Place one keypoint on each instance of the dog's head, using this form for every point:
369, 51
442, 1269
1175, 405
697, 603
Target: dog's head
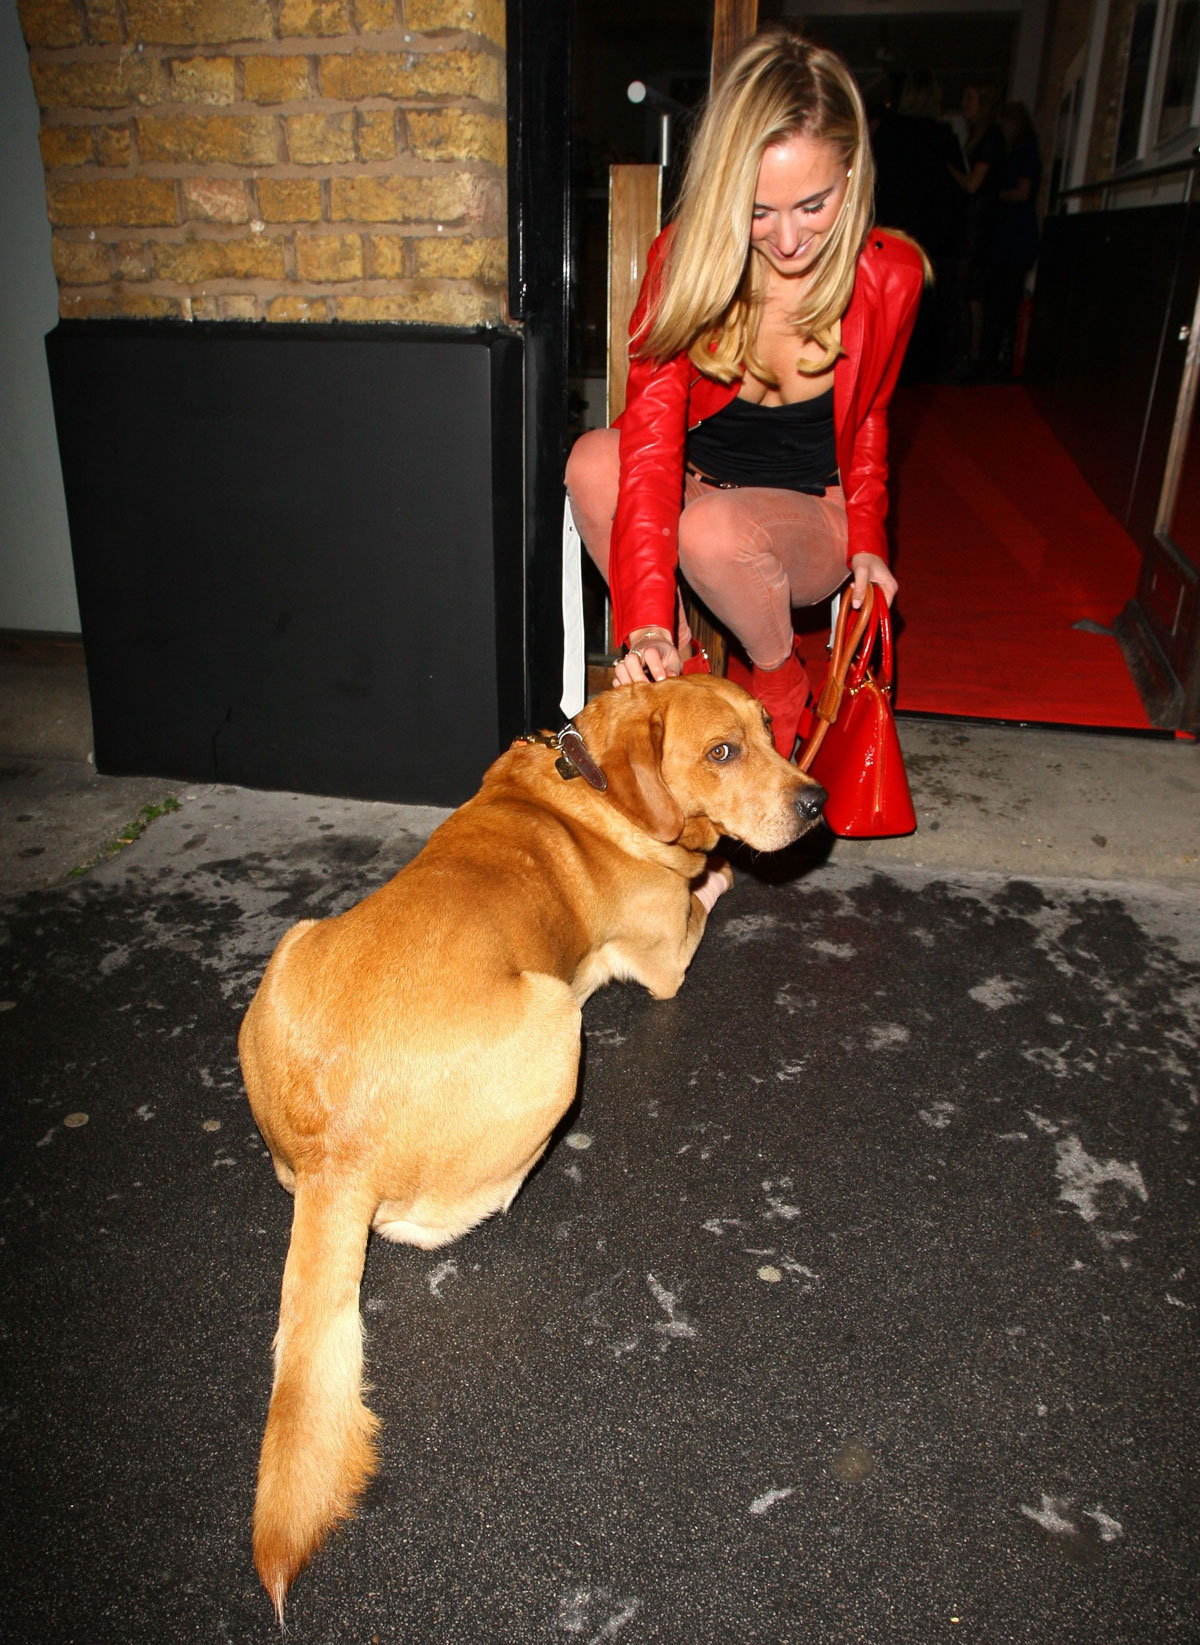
691, 759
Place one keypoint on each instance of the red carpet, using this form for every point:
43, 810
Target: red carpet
1000, 549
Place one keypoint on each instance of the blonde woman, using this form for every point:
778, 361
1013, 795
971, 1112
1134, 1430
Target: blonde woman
752, 452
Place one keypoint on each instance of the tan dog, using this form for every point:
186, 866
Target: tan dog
408, 1061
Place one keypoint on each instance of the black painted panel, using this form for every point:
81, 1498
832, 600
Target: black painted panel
1098, 344
297, 555
1116, 294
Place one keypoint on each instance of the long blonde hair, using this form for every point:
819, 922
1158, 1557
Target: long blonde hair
778, 86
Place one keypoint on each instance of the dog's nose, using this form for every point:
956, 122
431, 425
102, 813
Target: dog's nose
810, 801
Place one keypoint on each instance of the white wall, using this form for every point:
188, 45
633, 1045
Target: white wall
37, 583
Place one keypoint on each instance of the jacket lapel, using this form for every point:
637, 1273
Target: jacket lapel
849, 368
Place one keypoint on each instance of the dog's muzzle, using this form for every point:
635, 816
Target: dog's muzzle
810, 802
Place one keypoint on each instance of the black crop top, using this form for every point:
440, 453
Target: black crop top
790, 447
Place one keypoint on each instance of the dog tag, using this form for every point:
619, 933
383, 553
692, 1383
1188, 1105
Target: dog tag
578, 760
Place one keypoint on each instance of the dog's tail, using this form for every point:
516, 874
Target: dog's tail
317, 1451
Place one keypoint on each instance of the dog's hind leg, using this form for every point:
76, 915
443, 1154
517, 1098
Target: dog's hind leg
534, 1077
317, 1451
513, 1082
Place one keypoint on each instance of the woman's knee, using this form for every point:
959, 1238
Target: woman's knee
714, 533
594, 471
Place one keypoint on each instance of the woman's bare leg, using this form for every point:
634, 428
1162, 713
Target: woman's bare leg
754, 553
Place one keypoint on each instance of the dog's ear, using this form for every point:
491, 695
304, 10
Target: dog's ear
635, 780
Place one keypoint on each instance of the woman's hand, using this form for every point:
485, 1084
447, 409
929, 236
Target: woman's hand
869, 568
651, 655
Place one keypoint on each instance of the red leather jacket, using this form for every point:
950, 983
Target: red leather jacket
662, 402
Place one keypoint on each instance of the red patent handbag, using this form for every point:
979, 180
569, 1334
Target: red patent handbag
853, 750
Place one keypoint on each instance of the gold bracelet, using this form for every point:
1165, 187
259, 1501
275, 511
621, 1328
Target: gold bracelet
655, 640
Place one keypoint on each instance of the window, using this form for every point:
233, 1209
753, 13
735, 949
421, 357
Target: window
1159, 101
1137, 78
1176, 111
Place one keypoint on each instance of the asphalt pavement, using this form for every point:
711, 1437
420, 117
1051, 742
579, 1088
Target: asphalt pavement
856, 1301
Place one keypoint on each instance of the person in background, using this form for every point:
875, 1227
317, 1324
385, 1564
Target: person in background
1013, 243
916, 155
752, 453
985, 151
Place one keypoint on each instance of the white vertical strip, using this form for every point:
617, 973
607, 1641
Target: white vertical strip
574, 693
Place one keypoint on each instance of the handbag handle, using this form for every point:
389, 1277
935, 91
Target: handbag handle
880, 629
848, 663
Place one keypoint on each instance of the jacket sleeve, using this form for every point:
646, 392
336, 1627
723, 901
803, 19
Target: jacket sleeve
864, 480
645, 537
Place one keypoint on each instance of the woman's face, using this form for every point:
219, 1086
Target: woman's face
801, 187
970, 104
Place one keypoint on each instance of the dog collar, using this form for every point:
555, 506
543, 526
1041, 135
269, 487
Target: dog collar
573, 758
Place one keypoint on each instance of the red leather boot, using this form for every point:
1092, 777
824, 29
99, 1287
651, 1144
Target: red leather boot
784, 693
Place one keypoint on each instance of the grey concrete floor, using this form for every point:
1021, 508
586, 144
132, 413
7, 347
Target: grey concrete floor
58, 816
1001, 799
855, 1305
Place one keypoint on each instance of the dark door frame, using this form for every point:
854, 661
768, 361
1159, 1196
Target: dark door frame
1116, 410
539, 215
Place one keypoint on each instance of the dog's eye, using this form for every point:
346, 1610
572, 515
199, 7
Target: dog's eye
722, 753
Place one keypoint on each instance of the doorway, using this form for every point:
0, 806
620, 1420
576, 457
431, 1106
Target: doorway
618, 42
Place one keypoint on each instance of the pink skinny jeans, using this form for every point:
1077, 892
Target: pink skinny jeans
751, 554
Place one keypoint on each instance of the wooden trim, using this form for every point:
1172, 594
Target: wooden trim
734, 22
634, 212
1181, 432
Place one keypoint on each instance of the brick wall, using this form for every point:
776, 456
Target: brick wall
274, 159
